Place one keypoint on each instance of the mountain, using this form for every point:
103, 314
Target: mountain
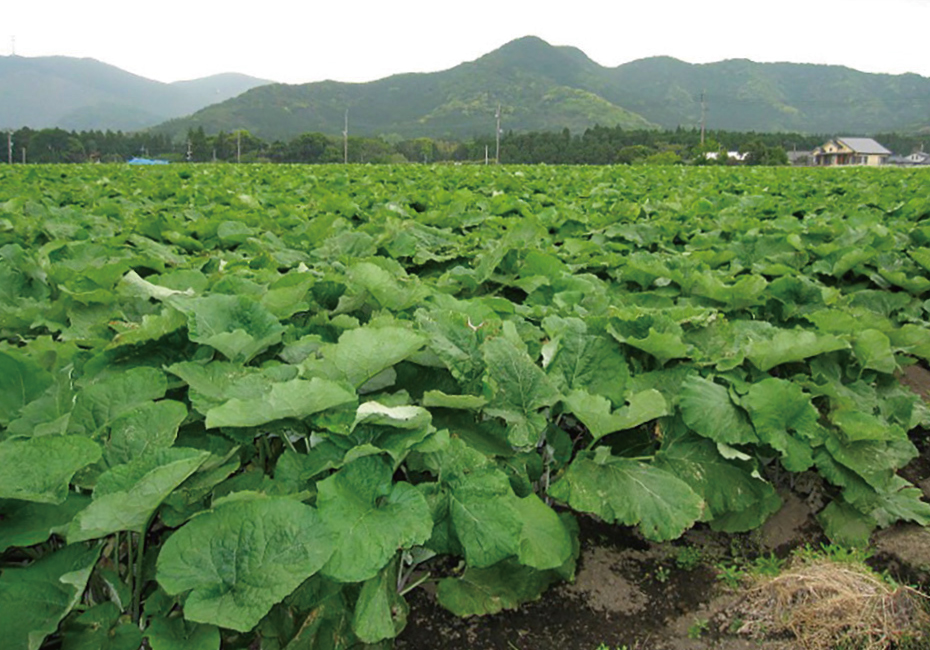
85, 94
537, 85
545, 87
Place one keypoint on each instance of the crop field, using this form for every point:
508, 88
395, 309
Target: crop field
267, 402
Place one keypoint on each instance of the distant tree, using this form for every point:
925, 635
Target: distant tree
200, 148
758, 153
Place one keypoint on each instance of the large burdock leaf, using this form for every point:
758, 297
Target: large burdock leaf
297, 398
545, 542
40, 469
127, 496
25, 523
506, 585
178, 634
380, 612
486, 517
707, 408
873, 349
594, 411
737, 498
34, 599
518, 389
577, 360
154, 425
241, 558
629, 492
98, 405
791, 345
371, 516
846, 525
364, 352
237, 326
785, 419
21, 381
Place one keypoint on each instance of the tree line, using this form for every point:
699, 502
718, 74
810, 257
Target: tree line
597, 145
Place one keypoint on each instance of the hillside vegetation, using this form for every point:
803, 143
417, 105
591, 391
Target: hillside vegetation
544, 87
85, 94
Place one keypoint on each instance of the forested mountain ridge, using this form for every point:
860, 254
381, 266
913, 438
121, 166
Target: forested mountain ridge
544, 87
85, 94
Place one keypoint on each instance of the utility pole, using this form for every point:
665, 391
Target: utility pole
345, 140
24, 155
497, 133
12, 45
190, 151
703, 116
239, 146
9, 147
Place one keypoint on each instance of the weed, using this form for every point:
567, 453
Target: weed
688, 558
732, 575
697, 629
767, 565
662, 574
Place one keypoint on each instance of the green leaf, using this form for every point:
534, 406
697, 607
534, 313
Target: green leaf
785, 419
242, 557
518, 389
857, 425
545, 542
845, 525
101, 628
874, 461
297, 398
903, 502
438, 399
380, 612
791, 345
152, 426
481, 591
577, 360
364, 352
214, 383
34, 599
25, 523
371, 517
44, 466
21, 381
486, 517
392, 291
455, 340
178, 634
737, 498
127, 496
707, 409
594, 411
49, 413
98, 405
629, 492
873, 349
237, 326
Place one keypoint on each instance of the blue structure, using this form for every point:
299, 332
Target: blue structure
147, 161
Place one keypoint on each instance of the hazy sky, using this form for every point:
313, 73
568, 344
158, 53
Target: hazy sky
361, 40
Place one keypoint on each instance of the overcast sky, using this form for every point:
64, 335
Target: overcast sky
361, 40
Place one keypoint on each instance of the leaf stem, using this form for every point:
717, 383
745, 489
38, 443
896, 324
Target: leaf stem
137, 590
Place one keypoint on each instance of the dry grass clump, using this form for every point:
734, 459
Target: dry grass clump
827, 604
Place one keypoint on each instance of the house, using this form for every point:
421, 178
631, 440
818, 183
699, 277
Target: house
849, 151
919, 158
799, 158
